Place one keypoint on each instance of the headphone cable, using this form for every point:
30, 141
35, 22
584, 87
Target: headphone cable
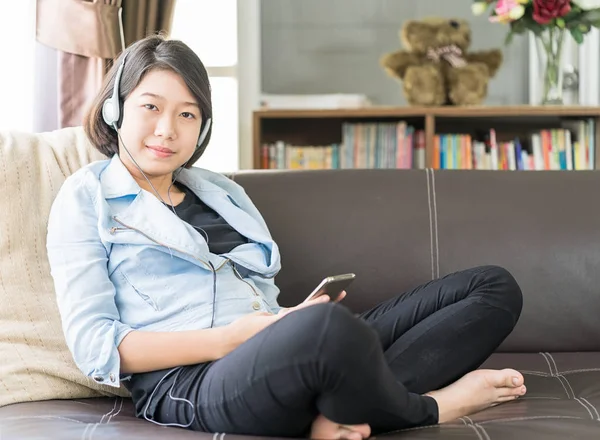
173, 209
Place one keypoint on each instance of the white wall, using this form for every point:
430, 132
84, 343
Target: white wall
249, 74
17, 46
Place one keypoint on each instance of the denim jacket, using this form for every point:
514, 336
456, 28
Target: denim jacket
123, 261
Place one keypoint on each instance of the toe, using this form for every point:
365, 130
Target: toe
522, 390
517, 379
363, 431
512, 392
507, 378
511, 378
350, 435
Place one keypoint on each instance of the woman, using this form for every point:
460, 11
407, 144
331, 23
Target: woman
164, 280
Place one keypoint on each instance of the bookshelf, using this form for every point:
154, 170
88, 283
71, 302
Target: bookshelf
324, 127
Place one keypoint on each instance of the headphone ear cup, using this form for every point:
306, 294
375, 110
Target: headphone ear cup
112, 113
107, 112
203, 134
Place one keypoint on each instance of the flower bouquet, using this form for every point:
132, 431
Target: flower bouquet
549, 21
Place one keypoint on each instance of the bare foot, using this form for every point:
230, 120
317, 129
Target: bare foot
477, 391
325, 429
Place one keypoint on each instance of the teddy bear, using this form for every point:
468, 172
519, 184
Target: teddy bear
436, 68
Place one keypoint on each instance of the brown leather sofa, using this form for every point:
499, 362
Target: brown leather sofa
396, 229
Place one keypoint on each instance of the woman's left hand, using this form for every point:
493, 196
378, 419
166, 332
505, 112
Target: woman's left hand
319, 300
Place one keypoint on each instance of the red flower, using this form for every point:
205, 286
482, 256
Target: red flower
544, 11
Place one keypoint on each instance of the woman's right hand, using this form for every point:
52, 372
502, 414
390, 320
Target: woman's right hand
242, 329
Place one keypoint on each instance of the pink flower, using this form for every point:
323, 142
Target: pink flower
508, 10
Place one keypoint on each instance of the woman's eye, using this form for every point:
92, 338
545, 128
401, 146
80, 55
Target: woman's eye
188, 115
150, 106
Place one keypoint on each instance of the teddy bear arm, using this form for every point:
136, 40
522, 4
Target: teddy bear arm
491, 58
396, 63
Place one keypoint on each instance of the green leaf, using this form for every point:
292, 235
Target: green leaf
573, 13
518, 27
528, 23
591, 16
577, 35
585, 28
560, 22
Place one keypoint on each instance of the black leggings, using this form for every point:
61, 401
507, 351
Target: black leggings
368, 369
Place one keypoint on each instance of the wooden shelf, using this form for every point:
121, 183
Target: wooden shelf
304, 126
368, 112
475, 111
545, 111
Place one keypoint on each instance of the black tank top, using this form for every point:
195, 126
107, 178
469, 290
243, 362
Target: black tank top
221, 237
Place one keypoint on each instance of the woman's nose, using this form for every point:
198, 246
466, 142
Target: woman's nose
165, 127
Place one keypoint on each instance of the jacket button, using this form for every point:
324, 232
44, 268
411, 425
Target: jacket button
112, 377
256, 305
98, 378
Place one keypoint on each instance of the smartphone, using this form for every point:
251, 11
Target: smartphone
332, 286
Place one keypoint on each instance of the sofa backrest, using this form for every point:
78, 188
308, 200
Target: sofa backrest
35, 361
397, 229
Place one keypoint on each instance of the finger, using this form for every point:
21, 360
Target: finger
341, 296
318, 300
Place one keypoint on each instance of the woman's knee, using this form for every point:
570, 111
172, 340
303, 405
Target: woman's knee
508, 292
334, 330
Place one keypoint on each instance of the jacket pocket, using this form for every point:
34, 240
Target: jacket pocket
141, 294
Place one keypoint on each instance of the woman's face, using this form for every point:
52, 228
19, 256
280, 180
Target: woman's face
161, 125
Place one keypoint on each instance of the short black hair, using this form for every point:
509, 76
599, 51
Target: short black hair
154, 52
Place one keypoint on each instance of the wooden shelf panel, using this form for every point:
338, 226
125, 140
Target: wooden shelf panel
367, 112
517, 111
449, 111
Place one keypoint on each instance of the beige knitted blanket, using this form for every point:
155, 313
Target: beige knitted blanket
35, 363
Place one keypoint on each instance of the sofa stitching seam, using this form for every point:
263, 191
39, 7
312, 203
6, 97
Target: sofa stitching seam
593, 407
522, 419
95, 425
561, 377
435, 217
555, 375
430, 222
475, 428
583, 370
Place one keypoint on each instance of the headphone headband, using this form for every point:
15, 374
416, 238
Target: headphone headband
112, 109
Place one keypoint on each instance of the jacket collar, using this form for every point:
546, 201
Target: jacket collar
117, 181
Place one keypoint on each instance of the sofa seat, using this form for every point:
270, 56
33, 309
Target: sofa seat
563, 398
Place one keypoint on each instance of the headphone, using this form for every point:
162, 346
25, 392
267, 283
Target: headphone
112, 110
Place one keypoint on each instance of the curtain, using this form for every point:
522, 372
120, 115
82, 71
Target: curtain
77, 41
141, 18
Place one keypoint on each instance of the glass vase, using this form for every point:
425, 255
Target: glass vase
549, 46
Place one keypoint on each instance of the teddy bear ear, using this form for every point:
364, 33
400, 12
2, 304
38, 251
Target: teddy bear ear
414, 34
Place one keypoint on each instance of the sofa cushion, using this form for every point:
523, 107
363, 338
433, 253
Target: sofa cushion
562, 401
36, 364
